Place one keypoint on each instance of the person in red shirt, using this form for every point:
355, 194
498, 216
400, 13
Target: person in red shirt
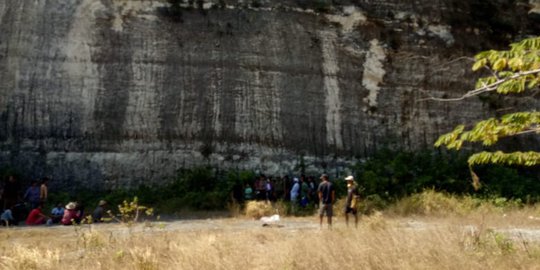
36, 217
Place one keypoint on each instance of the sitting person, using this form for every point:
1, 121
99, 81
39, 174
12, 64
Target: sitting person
19, 212
97, 215
79, 208
57, 213
36, 217
7, 217
71, 215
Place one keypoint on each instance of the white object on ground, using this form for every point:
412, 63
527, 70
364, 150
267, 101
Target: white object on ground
271, 219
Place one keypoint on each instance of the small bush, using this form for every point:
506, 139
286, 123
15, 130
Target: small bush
428, 202
435, 203
258, 209
372, 204
131, 211
282, 207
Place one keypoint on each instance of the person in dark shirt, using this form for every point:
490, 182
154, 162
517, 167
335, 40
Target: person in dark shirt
327, 196
11, 192
32, 195
97, 215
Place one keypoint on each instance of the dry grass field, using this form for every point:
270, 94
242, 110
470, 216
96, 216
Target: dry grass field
486, 238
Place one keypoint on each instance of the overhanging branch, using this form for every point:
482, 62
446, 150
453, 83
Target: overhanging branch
486, 88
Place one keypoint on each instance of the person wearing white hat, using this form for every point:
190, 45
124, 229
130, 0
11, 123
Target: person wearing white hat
350, 203
70, 214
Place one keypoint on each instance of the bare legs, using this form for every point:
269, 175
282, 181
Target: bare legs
355, 220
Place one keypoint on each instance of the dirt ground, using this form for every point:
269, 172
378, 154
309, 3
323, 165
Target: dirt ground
529, 230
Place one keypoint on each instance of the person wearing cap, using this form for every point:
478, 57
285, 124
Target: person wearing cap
97, 215
327, 196
350, 203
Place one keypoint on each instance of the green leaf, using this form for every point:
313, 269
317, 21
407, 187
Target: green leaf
500, 64
515, 63
479, 64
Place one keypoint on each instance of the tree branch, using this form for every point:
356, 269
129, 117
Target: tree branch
485, 88
533, 130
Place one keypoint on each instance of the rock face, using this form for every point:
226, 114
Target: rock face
111, 93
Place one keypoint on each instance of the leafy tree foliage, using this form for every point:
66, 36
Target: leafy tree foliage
512, 71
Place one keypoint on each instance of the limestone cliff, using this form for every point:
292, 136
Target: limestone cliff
108, 93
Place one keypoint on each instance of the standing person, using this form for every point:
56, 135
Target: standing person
44, 190
278, 188
327, 196
286, 182
260, 188
304, 188
248, 193
11, 192
350, 204
295, 191
269, 190
312, 191
32, 195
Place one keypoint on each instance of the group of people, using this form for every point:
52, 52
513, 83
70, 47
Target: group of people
30, 206
327, 197
302, 191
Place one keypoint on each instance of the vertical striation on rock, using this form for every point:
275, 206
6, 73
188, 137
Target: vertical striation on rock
330, 70
115, 93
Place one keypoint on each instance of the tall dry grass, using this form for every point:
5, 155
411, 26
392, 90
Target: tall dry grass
426, 231
380, 242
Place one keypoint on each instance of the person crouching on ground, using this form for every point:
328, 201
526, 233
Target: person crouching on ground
97, 215
36, 216
7, 217
350, 204
71, 215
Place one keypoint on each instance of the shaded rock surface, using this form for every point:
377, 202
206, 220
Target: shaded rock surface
112, 93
